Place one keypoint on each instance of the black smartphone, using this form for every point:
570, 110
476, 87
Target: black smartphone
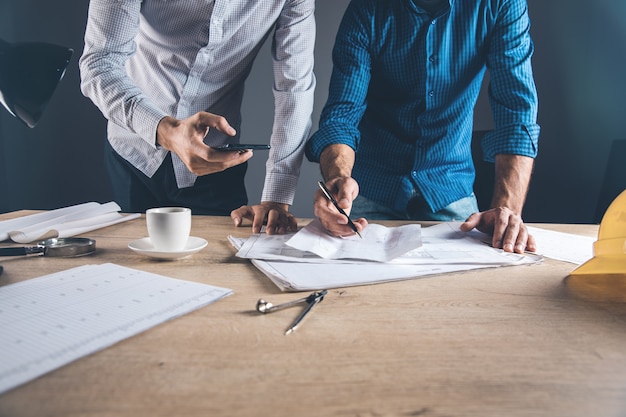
240, 147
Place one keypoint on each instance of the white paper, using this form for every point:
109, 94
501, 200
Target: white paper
445, 249
563, 246
52, 320
273, 247
378, 243
445, 244
289, 276
7, 226
64, 222
441, 244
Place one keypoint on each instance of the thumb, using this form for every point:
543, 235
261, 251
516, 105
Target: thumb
470, 223
345, 196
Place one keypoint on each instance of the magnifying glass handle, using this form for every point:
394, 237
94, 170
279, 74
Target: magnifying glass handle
20, 251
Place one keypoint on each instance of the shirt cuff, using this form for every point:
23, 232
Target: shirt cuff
280, 188
145, 121
511, 140
330, 135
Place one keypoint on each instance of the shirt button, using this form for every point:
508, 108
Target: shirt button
431, 93
431, 59
433, 22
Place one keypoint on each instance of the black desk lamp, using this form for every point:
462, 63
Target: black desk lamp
29, 74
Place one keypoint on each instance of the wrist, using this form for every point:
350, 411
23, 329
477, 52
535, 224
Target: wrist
336, 161
165, 126
272, 204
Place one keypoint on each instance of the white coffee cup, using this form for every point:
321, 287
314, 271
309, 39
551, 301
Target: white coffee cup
169, 227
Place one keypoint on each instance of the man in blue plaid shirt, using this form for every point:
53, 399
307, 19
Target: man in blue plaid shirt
394, 140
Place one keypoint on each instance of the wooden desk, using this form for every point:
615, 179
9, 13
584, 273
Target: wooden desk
515, 341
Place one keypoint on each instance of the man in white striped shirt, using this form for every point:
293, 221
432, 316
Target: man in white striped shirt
169, 77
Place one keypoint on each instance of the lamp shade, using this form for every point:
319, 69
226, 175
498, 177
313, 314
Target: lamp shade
29, 74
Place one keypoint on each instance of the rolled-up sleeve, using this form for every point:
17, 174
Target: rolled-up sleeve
512, 91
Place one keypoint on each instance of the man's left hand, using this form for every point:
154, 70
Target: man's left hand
507, 229
275, 216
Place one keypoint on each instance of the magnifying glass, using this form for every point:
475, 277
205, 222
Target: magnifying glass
68, 247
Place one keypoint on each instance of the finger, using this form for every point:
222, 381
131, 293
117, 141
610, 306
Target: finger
258, 219
335, 223
292, 224
521, 240
360, 223
329, 220
531, 244
511, 233
471, 222
273, 222
215, 155
212, 166
287, 223
326, 211
239, 214
336, 228
219, 123
346, 193
500, 224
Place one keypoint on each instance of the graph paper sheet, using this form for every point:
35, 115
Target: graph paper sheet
52, 320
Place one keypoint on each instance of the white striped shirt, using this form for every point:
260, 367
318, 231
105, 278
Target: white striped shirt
147, 59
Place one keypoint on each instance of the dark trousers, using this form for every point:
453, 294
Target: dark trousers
215, 194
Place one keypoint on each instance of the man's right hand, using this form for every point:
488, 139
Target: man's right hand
345, 190
185, 139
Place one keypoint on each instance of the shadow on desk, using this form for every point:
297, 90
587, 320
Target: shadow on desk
610, 288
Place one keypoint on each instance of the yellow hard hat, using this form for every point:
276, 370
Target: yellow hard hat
609, 251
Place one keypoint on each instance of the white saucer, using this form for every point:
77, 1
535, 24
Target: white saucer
145, 247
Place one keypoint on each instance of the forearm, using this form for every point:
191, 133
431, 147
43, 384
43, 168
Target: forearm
294, 89
337, 161
109, 42
512, 178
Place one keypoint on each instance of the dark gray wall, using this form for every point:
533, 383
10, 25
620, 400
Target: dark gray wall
579, 64
60, 161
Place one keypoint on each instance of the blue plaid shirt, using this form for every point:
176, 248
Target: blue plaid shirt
403, 91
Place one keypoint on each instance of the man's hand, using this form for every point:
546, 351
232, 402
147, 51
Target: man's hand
185, 139
275, 216
345, 190
507, 229
504, 221
336, 162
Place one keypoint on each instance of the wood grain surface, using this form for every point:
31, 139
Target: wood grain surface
510, 341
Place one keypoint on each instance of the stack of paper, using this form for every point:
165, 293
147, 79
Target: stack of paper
444, 248
63, 222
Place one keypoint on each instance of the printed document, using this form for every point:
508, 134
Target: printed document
444, 249
49, 321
